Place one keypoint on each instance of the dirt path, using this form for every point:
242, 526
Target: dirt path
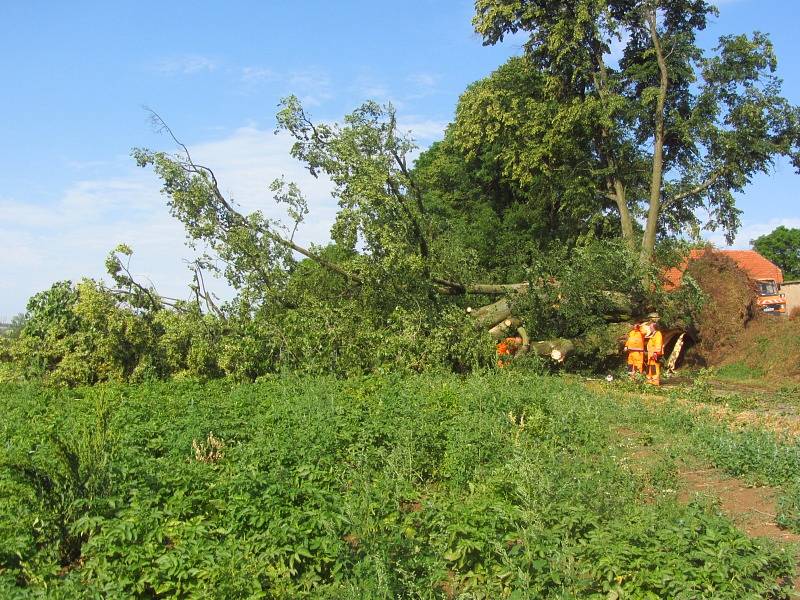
752, 509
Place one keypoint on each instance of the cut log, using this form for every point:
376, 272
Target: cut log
491, 314
504, 328
557, 349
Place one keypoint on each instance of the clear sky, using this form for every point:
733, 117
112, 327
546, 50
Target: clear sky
77, 74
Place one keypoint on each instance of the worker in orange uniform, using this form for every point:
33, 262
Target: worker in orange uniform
634, 346
655, 350
506, 350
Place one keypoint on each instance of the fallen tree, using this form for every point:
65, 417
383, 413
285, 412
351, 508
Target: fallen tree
383, 232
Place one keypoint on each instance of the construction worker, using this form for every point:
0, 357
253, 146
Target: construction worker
634, 346
506, 349
655, 350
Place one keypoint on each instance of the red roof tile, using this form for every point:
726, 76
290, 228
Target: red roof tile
673, 276
755, 265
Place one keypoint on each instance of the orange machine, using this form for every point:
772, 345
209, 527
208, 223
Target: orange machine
770, 300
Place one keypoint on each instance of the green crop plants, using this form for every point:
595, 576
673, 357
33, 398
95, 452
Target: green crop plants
789, 506
487, 486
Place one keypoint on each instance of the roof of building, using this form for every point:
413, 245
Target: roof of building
755, 265
749, 261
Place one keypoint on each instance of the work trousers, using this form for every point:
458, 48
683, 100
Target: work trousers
635, 362
653, 371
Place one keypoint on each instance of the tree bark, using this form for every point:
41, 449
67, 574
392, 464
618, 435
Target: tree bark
491, 314
453, 288
504, 328
649, 239
557, 349
616, 188
526, 342
626, 221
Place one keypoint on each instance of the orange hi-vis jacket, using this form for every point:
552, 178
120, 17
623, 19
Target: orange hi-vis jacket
655, 344
506, 349
635, 342
635, 348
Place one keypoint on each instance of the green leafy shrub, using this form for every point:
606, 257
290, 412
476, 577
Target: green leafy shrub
426, 486
70, 474
789, 506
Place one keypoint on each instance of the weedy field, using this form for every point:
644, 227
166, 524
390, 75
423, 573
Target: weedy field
491, 486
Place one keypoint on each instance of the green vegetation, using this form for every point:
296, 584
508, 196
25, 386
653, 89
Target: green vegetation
781, 246
86, 333
334, 432
502, 485
739, 371
533, 200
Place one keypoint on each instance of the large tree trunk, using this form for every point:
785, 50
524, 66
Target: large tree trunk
649, 239
620, 308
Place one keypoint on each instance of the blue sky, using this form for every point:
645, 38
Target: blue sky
76, 76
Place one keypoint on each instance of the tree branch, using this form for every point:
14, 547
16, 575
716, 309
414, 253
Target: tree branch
695, 190
208, 174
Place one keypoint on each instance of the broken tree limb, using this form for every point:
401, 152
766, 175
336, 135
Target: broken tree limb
557, 349
496, 312
504, 328
454, 288
526, 342
619, 303
620, 306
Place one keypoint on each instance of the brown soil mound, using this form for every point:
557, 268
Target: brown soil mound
731, 304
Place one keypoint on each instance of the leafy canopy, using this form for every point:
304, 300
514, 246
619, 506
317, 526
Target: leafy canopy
667, 129
781, 246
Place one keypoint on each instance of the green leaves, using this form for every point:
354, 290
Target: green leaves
723, 116
781, 246
406, 487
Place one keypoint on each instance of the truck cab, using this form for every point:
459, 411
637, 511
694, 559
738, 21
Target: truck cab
770, 300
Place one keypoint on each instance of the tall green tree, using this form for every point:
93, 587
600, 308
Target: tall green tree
781, 246
505, 181
672, 129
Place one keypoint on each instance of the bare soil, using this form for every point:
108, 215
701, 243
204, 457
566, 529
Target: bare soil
753, 509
